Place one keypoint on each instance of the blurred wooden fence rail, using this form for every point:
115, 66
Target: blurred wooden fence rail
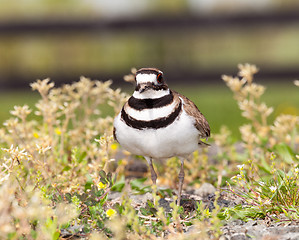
156, 24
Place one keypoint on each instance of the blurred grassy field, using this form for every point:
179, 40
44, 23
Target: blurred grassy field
215, 102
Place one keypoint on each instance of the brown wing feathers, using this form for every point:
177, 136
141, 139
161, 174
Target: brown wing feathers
201, 123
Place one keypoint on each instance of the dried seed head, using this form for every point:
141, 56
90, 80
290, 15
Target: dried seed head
42, 86
247, 71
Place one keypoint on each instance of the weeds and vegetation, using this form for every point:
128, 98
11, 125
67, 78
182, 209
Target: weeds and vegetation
268, 176
57, 172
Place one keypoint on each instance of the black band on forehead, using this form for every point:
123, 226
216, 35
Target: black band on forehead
149, 71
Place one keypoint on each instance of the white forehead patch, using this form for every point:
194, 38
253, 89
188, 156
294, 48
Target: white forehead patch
144, 78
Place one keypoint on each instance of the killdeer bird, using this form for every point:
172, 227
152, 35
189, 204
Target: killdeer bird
159, 123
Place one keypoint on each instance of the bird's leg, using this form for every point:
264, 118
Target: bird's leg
153, 173
153, 177
181, 182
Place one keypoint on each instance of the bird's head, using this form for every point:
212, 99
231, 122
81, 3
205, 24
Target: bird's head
149, 80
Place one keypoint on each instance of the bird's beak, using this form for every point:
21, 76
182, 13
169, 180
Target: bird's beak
144, 86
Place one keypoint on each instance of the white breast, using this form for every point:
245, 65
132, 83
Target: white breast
178, 139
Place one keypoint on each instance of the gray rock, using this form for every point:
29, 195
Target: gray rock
251, 223
239, 236
205, 190
223, 238
256, 230
141, 200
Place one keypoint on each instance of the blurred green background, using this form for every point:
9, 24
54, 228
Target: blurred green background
192, 41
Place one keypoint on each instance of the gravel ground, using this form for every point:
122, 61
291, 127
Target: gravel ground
234, 230
257, 229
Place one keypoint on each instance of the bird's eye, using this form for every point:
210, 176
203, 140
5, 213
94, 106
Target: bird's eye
159, 78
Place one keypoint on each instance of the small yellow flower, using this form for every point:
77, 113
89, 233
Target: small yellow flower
35, 134
101, 185
110, 212
57, 131
114, 146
